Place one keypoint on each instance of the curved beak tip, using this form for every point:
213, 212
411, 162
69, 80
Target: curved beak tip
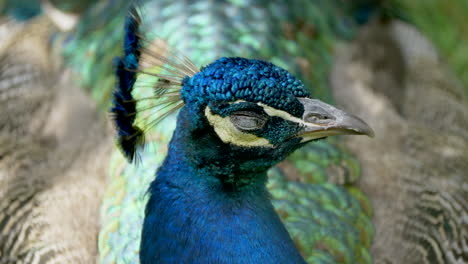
353, 125
359, 126
371, 133
368, 132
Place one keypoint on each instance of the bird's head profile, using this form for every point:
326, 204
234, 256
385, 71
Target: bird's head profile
237, 115
255, 113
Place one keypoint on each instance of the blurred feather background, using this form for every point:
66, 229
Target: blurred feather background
400, 64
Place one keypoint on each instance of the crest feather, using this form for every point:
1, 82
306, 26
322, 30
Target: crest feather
147, 65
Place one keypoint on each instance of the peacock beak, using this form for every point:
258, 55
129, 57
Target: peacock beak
322, 120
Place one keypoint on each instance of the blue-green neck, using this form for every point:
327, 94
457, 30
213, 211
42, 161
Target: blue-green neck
203, 211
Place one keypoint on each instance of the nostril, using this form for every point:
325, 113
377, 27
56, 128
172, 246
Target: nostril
317, 117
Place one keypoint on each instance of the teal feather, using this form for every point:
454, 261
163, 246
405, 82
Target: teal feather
20, 10
302, 31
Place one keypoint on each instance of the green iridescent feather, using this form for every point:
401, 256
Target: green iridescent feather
91, 48
307, 31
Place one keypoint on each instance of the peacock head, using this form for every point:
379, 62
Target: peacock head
249, 114
237, 115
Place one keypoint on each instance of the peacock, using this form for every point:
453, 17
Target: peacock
418, 207
115, 244
238, 118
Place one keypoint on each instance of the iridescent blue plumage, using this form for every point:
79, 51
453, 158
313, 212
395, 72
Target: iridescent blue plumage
196, 215
242, 79
208, 203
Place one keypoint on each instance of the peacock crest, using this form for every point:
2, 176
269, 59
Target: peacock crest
154, 71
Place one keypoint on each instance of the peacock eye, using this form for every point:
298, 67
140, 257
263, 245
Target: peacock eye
248, 121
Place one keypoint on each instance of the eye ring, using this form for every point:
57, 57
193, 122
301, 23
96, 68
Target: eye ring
248, 121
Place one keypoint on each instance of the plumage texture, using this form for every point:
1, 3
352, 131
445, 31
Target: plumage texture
415, 171
445, 29
47, 177
96, 39
21, 10
408, 150
100, 34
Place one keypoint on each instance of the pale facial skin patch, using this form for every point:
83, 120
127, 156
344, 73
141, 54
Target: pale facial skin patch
228, 133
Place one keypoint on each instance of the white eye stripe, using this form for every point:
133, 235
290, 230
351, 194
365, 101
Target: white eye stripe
279, 113
228, 133
287, 116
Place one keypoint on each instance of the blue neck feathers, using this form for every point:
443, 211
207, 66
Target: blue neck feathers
204, 210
